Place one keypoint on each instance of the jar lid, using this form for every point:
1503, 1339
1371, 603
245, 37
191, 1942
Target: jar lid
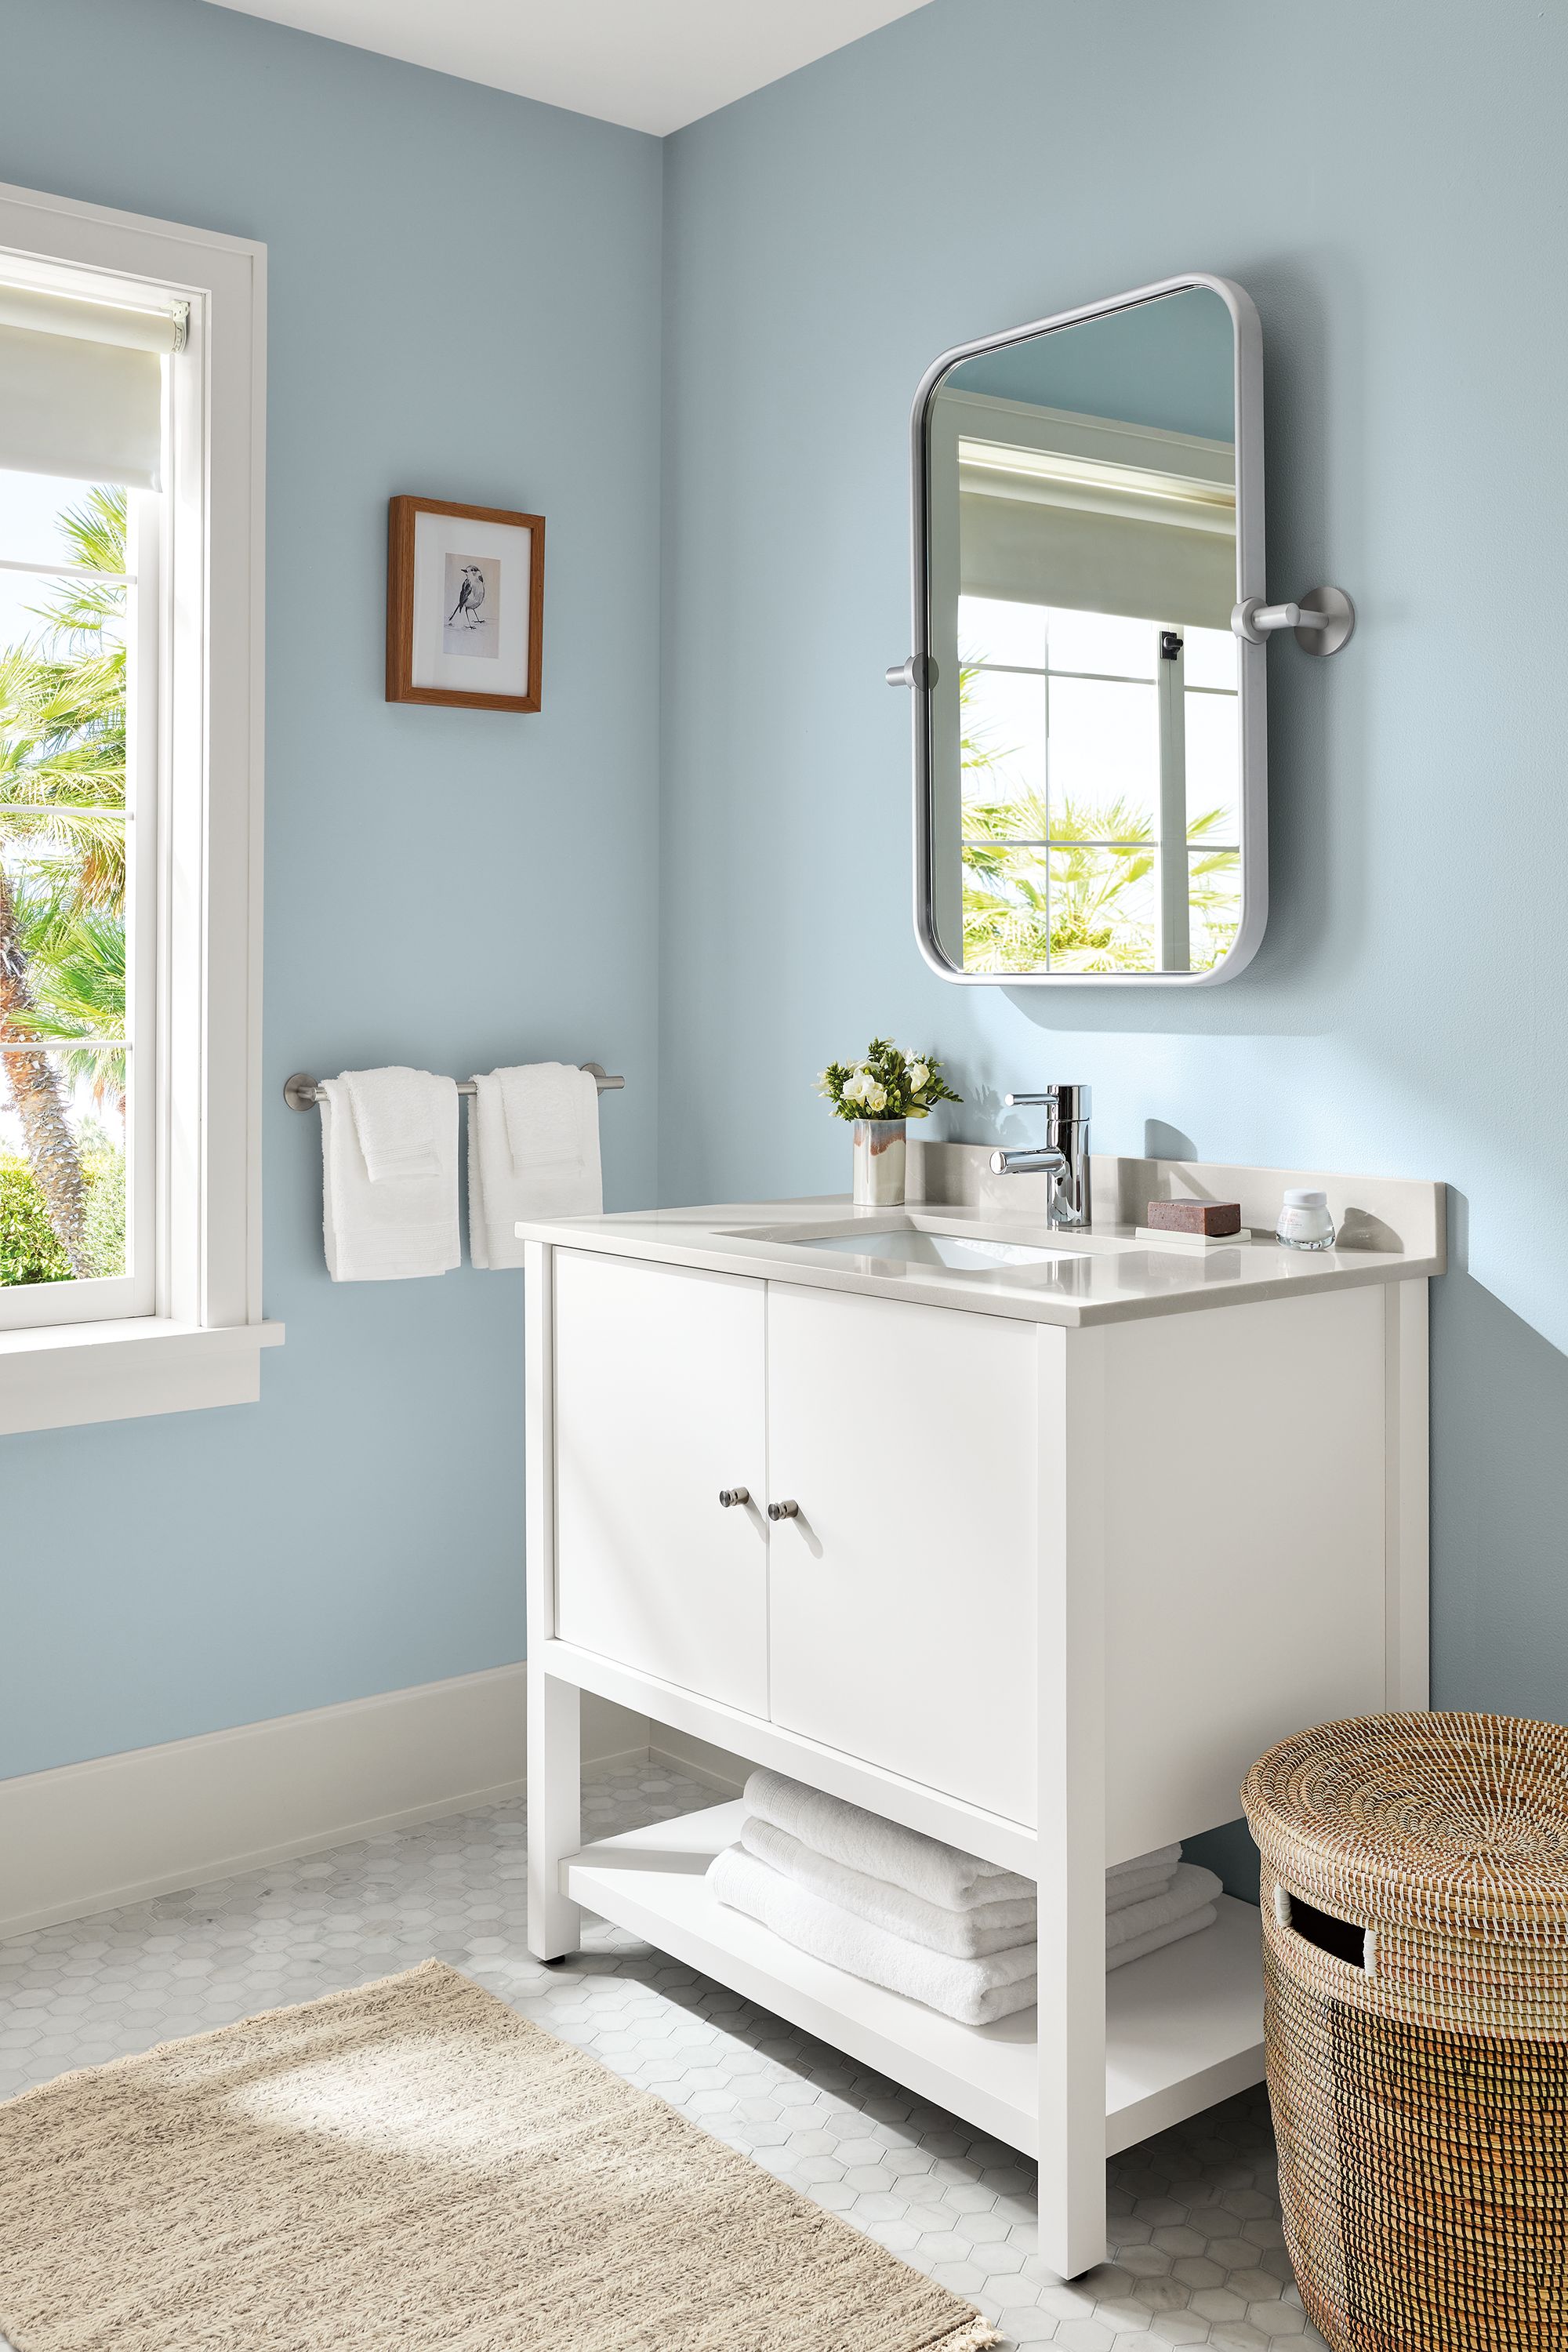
1305, 1198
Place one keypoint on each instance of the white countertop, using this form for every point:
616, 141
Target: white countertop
1106, 1276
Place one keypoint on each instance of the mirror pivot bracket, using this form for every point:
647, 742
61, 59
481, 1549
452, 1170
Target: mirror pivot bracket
1323, 622
919, 670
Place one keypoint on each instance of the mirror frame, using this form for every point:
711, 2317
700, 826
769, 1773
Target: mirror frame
1252, 669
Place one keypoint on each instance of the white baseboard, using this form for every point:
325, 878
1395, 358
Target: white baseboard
90, 1837
716, 1768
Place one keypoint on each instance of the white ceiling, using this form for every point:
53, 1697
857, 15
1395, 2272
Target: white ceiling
650, 64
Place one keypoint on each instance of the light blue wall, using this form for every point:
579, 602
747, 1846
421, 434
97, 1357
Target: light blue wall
1388, 186
464, 303
459, 889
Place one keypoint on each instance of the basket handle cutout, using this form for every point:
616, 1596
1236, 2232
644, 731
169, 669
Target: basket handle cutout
1339, 1937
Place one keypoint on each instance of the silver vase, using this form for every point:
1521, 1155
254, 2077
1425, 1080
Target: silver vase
878, 1163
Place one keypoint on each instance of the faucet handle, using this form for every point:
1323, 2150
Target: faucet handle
1067, 1102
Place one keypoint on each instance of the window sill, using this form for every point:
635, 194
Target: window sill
67, 1373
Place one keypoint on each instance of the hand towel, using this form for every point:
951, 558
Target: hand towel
395, 1115
1137, 1888
403, 1223
1191, 1889
1157, 1937
1164, 1857
975, 1992
534, 1151
963, 1935
865, 1842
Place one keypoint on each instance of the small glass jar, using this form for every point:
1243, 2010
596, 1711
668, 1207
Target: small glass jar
1304, 1221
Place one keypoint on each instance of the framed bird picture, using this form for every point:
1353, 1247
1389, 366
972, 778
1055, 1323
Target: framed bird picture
465, 605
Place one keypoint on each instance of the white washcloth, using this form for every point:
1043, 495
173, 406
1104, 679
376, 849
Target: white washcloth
975, 1992
1172, 1933
865, 1842
1191, 1889
1136, 1888
534, 1151
1164, 1857
963, 1935
393, 1227
396, 1113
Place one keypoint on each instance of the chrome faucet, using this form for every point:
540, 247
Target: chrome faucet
1064, 1155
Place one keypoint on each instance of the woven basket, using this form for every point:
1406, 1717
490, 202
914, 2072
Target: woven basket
1415, 1964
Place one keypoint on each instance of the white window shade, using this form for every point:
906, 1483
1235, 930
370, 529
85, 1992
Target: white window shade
1092, 514
81, 386
1025, 554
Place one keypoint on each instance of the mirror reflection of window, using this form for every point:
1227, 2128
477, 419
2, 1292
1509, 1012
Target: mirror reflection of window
1083, 571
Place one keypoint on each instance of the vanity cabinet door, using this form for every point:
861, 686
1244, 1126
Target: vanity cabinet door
902, 1609
658, 1404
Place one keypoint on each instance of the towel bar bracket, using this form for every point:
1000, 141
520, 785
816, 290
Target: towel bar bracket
302, 1092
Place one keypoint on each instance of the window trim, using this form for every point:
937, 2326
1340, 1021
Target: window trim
200, 1343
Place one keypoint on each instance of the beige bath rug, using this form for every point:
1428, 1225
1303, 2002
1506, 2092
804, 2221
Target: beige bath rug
413, 2165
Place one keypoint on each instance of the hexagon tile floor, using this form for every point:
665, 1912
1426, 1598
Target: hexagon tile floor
1197, 2252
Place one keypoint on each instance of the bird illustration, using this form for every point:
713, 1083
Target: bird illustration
470, 597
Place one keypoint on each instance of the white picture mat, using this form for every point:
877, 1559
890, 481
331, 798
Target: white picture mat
436, 536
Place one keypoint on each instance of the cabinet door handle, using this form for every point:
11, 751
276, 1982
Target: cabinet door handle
784, 1510
729, 1495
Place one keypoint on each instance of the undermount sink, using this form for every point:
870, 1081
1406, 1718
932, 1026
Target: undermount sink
906, 1244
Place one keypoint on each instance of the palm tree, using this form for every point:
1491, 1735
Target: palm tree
1075, 908
1071, 907
62, 803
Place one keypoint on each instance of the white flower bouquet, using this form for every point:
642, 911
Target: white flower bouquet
887, 1084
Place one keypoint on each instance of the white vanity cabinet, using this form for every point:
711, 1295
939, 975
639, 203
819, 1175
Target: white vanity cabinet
1071, 1543
869, 1621
901, 1600
658, 1404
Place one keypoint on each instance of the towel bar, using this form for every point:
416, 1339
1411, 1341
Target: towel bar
301, 1092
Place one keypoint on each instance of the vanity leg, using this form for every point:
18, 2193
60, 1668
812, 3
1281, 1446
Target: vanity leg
1073, 2080
1072, 1802
554, 1812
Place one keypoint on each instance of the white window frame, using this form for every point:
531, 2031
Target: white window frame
196, 1337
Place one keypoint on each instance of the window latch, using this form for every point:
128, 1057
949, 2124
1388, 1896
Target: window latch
1171, 643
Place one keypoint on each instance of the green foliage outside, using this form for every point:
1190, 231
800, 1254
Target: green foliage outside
1082, 909
62, 909
29, 1248
1085, 906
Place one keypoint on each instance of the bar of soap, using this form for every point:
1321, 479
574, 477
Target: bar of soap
1210, 1217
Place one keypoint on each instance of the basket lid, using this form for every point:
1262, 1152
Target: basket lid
1454, 1823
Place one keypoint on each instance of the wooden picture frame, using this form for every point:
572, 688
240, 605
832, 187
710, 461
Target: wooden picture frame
465, 605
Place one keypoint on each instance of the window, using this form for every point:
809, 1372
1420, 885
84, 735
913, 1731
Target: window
1099, 765
130, 615
79, 632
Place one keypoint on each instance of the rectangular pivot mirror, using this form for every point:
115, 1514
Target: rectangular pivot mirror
1090, 734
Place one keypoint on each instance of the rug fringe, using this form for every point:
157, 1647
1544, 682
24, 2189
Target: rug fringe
978, 2336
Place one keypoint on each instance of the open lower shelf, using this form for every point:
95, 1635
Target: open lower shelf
1183, 2027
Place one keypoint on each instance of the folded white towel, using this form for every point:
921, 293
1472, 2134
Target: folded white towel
1164, 1857
1191, 1889
1172, 1933
404, 1222
395, 1115
1136, 1888
861, 1841
965, 1934
534, 1151
975, 1992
